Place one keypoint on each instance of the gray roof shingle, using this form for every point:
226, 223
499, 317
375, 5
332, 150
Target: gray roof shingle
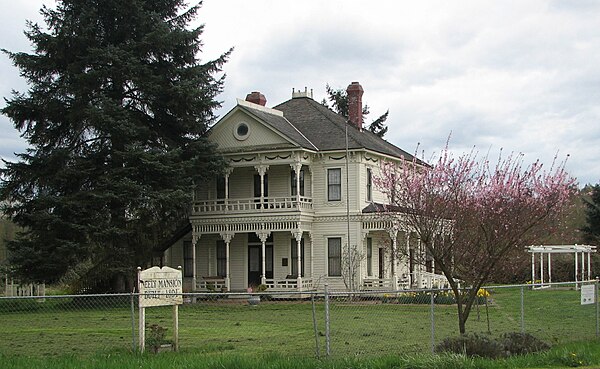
325, 129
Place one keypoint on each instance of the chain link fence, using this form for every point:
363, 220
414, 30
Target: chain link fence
333, 323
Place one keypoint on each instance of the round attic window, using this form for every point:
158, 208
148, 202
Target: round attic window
241, 131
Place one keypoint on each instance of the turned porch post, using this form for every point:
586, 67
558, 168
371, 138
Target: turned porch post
394, 236
195, 239
227, 174
297, 167
298, 236
227, 238
262, 170
410, 276
263, 235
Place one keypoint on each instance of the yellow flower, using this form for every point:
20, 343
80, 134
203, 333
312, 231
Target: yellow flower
482, 292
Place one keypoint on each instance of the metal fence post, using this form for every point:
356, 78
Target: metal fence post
314, 316
133, 346
597, 311
432, 295
327, 338
522, 309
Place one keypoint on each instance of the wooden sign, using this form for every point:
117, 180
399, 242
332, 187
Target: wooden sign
159, 287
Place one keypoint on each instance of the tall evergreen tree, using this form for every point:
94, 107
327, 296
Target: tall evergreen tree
115, 116
591, 231
339, 103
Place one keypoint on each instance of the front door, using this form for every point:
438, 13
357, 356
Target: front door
254, 265
255, 259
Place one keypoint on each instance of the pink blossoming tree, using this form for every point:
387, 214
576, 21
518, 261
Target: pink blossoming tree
471, 216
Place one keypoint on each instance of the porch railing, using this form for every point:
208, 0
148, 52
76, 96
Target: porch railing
430, 280
288, 284
382, 284
211, 284
254, 204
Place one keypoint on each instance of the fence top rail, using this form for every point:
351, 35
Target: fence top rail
300, 293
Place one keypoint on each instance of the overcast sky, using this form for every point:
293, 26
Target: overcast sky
521, 76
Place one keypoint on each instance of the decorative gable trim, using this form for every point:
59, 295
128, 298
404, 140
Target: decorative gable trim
259, 107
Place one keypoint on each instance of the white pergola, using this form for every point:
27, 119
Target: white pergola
581, 274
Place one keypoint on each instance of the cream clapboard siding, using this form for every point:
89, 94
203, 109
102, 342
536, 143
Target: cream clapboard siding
241, 183
259, 134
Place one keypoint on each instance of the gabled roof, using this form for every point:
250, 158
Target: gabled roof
326, 129
281, 125
311, 125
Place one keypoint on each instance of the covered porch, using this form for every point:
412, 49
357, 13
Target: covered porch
402, 261
265, 260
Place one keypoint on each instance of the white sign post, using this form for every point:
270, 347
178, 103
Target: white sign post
588, 294
159, 287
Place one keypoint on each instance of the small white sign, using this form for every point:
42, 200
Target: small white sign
588, 294
160, 287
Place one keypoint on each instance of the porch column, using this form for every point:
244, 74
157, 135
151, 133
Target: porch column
297, 167
394, 236
420, 263
311, 255
227, 238
410, 276
262, 170
227, 174
195, 239
263, 235
298, 236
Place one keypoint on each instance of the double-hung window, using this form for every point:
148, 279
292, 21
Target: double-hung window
334, 184
334, 257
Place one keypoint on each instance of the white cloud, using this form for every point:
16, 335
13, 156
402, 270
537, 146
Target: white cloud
521, 75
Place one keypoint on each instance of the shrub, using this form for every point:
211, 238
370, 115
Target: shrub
156, 337
517, 343
486, 346
472, 345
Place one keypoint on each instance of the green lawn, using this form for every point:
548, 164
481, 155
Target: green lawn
362, 327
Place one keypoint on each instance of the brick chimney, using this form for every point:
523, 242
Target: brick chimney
256, 98
355, 92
